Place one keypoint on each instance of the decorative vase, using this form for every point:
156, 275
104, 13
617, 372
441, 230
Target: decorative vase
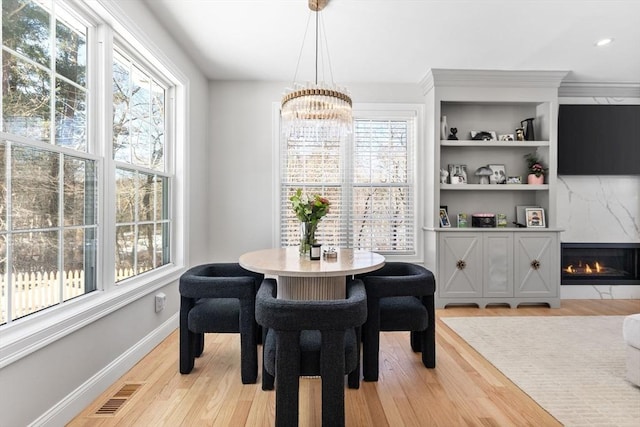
535, 180
444, 128
307, 236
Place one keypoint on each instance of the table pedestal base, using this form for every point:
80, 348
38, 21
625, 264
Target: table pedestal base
312, 288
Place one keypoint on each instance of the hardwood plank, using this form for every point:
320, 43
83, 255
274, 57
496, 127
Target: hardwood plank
464, 389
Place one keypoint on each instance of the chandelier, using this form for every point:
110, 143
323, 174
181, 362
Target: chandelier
316, 104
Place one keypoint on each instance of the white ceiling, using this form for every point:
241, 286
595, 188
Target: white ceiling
397, 41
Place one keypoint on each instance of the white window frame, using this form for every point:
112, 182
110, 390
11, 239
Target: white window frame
26, 335
369, 111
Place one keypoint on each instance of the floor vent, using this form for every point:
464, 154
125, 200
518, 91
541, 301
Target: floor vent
117, 401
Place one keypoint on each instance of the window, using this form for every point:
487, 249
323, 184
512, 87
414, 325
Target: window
142, 185
48, 218
369, 179
64, 186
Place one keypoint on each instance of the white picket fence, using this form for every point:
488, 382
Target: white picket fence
31, 292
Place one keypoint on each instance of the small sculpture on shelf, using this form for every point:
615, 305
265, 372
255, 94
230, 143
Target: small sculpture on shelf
444, 175
519, 134
483, 173
527, 125
452, 136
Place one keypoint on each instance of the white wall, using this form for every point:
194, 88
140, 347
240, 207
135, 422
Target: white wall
241, 190
53, 384
243, 160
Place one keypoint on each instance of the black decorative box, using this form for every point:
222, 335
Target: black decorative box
483, 220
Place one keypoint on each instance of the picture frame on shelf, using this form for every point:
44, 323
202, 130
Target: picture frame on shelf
457, 174
444, 219
501, 220
484, 135
514, 180
506, 137
463, 220
535, 218
499, 175
521, 214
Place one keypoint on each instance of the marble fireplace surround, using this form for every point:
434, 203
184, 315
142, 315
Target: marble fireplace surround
599, 209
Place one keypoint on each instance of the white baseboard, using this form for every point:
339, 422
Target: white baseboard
66, 409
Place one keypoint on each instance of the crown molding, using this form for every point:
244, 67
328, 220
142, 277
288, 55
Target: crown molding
599, 89
491, 78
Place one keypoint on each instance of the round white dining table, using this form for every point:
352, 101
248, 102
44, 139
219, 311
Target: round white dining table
299, 277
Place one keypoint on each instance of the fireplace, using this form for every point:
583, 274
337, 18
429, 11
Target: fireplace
600, 264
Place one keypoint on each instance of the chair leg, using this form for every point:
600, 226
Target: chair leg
429, 347
198, 344
186, 350
371, 342
332, 372
248, 358
288, 378
354, 376
416, 341
268, 380
353, 379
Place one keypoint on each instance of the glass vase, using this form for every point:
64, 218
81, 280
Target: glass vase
307, 236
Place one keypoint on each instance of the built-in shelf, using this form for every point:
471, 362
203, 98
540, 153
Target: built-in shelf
474, 143
494, 187
506, 265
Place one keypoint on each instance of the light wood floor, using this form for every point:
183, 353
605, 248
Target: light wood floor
463, 389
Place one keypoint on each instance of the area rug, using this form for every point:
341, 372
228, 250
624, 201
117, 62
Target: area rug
572, 366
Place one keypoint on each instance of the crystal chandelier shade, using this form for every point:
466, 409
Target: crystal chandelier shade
316, 104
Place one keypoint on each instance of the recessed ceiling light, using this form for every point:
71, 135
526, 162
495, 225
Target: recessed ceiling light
604, 42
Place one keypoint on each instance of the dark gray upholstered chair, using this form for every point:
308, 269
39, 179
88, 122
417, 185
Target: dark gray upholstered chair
311, 338
400, 297
219, 298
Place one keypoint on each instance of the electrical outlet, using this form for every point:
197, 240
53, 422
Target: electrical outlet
161, 301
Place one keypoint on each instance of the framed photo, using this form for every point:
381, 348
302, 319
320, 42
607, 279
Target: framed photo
483, 135
463, 220
499, 175
444, 218
521, 214
514, 180
457, 174
535, 217
506, 137
501, 220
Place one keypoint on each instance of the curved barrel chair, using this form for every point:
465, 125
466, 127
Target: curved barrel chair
400, 297
219, 297
319, 337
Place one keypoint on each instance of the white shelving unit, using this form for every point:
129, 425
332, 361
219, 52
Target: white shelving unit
492, 265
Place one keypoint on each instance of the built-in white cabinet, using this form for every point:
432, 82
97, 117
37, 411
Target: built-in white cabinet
504, 267
508, 265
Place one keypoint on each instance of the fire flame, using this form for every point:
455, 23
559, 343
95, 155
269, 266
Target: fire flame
597, 268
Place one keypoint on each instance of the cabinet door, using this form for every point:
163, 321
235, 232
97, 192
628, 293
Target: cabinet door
536, 265
460, 265
498, 264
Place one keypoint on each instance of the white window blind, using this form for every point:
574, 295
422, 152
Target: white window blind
368, 178
313, 161
382, 207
